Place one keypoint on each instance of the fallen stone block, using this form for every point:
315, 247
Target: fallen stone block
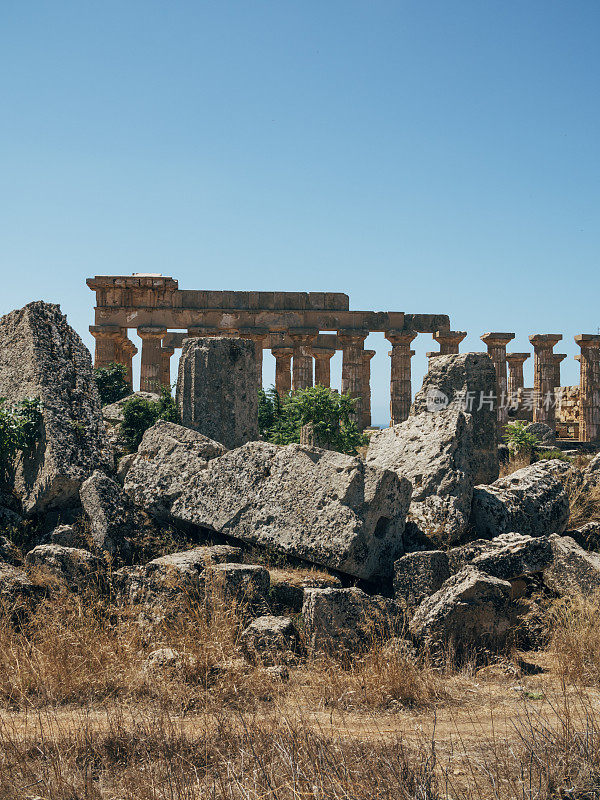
509, 556
287, 587
70, 566
419, 575
271, 640
112, 519
573, 570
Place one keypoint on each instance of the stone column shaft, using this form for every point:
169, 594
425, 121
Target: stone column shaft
283, 370
400, 383
352, 368
496, 347
302, 365
515, 379
543, 377
323, 366
128, 350
165, 364
558, 358
107, 338
589, 387
151, 369
366, 397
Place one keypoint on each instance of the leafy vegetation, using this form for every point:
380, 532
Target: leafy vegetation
112, 383
19, 430
521, 442
280, 419
554, 453
139, 415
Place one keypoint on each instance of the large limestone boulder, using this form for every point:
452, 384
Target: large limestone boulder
533, 500
338, 621
461, 382
111, 516
270, 640
435, 452
16, 588
217, 389
316, 505
471, 612
509, 556
193, 562
70, 566
168, 457
419, 575
573, 570
42, 357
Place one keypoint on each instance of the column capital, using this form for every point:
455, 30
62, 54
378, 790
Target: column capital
396, 336
256, 334
106, 331
128, 347
558, 357
497, 339
321, 354
368, 354
449, 337
545, 341
282, 352
349, 336
588, 341
151, 332
517, 358
303, 336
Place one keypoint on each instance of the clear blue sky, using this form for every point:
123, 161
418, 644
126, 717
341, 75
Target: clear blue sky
423, 156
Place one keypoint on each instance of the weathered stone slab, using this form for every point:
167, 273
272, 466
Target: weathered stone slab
338, 621
217, 389
465, 380
533, 500
111, 516
508, 557
168, 458
193, 562
316, 505
573, 570
70, 566
42, 357
271, 640
470, 612
435, 452
419, 575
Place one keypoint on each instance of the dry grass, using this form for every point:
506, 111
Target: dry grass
575, 639
584, 502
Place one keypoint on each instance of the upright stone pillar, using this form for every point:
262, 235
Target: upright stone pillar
107, 338
589, 387
258, 336
558, 358
151, 370
283, 369
543, 377
217, 393
448, 341
515, 380
400, 383
496, 347
352, 368
366, 398
302, 365
128, 350
165, 366
323, 366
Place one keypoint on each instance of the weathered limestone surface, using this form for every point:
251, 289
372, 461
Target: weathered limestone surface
573, 570
533, 500
71, 566
435, 452
419, 575
544, 433
217, 389
513, 556
465, 379
317, 505
346, 620
193, 562
9, 552
247, 584
271, 640
168, 457
288, 587
470, 612
111, 516
15, 585
42, 356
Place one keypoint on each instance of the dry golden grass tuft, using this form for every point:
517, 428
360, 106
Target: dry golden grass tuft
575, 639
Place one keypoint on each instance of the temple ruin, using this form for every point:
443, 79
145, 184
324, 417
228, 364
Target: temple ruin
304, 330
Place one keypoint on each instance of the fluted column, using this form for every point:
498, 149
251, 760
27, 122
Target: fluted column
259, 337
323, 366
448, 341
352, 368
366, 397
589, 387
128, 350
496, 347
302, 365
515, 379
151, 370
165, 366
400, 383
558, 358
107, 337
543, 377
283, 369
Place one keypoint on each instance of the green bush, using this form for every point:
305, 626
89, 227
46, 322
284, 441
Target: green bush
139, 415
281, 419
19, 430
548, 455
112, 383
520, 441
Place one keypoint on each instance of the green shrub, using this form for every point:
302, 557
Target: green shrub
281, 419
19, 430
521, 442
547, 455
112, 383
139, 415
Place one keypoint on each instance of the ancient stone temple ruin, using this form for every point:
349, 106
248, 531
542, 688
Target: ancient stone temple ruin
304, 330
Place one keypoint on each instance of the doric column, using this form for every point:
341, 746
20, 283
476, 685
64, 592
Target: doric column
165, 366
589, 387
496, 347
515, 380
352, 368
151, 370
128, 350
259, 337
400, 383
557, 357
283, 369
543, 376
448, 341
107, 337
366, 397
302, 365
323, 366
